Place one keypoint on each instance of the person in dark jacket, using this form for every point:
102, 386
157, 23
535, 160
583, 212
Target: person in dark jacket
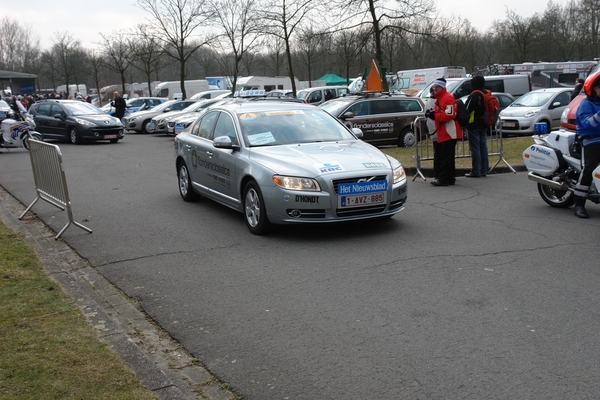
119, 104
577, 88
588, 128
477, 129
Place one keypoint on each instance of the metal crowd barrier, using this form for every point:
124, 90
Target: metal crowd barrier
424, 146
50, 181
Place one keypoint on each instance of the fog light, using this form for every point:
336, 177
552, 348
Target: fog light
96, 134
295, 213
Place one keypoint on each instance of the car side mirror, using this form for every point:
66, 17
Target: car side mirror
357, 132
347, 114
224, 142
167, 109
58, 116
556, 104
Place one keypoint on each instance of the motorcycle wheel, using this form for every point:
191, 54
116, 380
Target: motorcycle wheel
25, 139
556, 198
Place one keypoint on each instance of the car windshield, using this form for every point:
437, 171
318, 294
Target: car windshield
164, 105
277, 127
302, 94
533, 99
82, 108
336, 106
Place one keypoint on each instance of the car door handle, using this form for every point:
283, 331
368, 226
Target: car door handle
210, 153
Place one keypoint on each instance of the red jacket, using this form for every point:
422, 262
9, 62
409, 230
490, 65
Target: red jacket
445, 112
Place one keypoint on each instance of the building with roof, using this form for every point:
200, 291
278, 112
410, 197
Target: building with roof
17, 82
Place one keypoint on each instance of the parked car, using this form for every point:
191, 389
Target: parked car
75, 121
321, 94
138, 121
383, 118
285, 163
280, 93
160, 123
505, 99
538, 106
177, 123
210, 94
134, 105
515, 85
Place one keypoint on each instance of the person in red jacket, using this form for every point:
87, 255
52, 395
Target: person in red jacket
448, 131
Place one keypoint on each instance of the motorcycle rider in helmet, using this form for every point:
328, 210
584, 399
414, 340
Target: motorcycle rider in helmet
588, 129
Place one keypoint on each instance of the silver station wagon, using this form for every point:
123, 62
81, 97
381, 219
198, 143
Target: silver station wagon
284, 163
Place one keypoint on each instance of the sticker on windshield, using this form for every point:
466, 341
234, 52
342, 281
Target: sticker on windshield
247, 116
287, 112
329, 167
261, 138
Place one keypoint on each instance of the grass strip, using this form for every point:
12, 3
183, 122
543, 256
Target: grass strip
47, 349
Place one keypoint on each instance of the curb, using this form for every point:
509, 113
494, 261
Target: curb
160, 363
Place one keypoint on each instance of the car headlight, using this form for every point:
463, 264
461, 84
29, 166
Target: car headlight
84, 122
398, 174
296, 183
138, 117
531, 113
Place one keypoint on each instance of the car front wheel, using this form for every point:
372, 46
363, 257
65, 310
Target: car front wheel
254, 210
185, 184
74, 136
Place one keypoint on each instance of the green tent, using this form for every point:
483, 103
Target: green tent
333, 80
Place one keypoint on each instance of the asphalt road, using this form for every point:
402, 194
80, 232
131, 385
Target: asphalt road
475, 291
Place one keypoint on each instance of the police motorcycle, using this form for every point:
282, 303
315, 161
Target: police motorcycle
16, 130
554, 163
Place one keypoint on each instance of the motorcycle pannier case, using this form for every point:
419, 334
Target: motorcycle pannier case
541, 160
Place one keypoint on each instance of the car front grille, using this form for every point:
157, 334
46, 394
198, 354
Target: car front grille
111, 130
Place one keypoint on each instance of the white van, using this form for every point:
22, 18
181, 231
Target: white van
515, 85
321, 94
172, 90
413, 81
209, 94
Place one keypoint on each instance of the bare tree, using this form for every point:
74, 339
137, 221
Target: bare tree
65, 51
19, 48
282, 18
117, 52
175, 22
146, 55
241, 33
379, 16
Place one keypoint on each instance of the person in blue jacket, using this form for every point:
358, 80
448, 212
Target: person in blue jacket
588, 129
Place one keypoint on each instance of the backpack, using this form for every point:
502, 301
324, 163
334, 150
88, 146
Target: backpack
491, 108
462, 115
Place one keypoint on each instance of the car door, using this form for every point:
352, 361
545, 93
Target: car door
198, 148
222, 174
378, 126
556, 111
57, 123
42, 117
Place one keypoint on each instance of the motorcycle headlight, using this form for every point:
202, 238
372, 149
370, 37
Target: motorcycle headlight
296, 183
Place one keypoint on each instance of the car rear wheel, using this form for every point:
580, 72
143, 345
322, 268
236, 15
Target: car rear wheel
407, 138
254, 210
185, 184
74, 136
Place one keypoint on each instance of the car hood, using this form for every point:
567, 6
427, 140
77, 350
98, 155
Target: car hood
314, 159
99, 119
171, 114
520, 111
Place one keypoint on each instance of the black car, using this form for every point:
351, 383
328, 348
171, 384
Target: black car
75, 121
383, 118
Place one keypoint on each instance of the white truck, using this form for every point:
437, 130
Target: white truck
266, 83
172, 90
413, 81
73, 90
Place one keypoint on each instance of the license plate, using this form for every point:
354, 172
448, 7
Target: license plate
508, 124
110, 136
361, 200
179, 128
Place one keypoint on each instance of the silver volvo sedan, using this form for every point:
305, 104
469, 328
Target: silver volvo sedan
283, 163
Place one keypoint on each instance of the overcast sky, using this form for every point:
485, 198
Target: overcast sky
86, 19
